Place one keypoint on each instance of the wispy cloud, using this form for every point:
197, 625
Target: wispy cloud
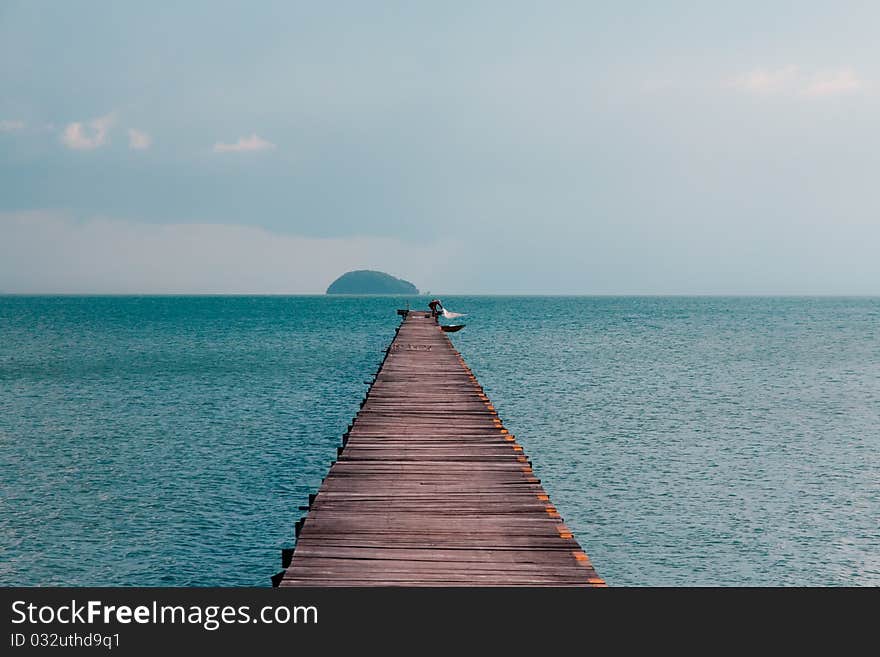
88, 136
8, 125
244, 144
138, 140
792, 81
766, 81
833, 83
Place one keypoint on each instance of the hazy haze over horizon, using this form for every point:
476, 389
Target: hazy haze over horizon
565, 148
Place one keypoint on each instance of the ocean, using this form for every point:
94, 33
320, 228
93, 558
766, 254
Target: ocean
169, 441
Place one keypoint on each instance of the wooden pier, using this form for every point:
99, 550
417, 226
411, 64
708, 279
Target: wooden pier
430, 489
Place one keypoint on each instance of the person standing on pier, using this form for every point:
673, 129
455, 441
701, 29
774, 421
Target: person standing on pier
434, 306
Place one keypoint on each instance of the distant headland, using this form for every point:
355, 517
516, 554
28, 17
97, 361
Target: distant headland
365, 281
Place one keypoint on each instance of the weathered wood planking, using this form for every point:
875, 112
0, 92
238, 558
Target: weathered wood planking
430, 489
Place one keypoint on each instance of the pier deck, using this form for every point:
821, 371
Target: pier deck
430, 489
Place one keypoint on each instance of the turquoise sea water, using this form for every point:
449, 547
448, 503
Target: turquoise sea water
687, 441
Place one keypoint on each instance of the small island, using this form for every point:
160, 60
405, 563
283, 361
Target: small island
365, 281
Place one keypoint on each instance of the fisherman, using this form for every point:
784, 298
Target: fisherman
434, 306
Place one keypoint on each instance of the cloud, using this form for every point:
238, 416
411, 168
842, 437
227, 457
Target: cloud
53, 253
7, 125
252, 143
138, 140
833, 83
82, 137
764, 81
792, 81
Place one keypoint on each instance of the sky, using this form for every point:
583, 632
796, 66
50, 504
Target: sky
469, 147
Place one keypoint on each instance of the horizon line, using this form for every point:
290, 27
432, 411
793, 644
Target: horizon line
458, 294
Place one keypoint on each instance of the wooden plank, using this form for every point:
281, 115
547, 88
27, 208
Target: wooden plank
431, 489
